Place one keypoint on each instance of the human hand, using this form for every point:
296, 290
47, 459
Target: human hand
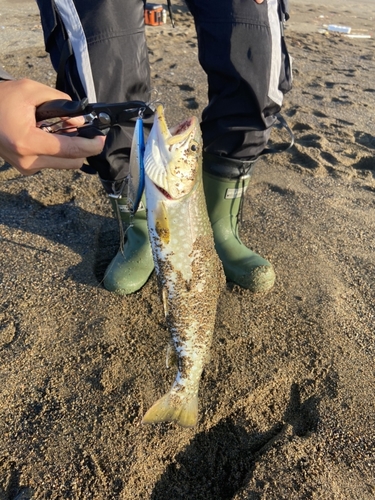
259, 1
29, 148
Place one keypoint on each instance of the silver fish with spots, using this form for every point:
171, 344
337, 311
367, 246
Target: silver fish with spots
190, 274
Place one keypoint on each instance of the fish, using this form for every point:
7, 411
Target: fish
189, 272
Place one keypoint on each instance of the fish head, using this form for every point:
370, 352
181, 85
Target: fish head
173, 156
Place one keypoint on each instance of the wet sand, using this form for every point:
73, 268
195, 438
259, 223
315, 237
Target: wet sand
287, 401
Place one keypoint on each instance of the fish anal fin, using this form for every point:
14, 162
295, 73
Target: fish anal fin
184, 414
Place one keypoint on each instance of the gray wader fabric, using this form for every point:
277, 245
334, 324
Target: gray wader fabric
242, 51
99, 50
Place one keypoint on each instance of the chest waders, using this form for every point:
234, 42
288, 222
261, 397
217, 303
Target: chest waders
99, 51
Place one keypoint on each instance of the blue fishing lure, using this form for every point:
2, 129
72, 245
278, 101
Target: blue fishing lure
136, 178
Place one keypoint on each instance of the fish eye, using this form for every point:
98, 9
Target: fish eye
193, 147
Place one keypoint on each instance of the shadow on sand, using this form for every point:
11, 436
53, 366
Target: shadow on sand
219, 463
82, 232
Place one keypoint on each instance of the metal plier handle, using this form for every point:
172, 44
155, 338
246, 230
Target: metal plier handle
99, 117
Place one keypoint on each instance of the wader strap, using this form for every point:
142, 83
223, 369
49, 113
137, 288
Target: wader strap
281, 123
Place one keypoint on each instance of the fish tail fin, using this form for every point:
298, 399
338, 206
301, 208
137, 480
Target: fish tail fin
185, 413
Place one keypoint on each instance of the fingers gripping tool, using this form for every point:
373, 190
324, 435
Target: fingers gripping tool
99, 117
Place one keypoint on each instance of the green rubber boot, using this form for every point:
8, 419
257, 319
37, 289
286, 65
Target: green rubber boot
223, 197
130, 269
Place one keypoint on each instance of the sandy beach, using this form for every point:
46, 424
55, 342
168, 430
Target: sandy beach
287, 400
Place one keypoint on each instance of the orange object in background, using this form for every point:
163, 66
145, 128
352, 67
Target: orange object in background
153, 14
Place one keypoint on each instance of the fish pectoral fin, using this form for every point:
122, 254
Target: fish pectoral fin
162, 223
185, 413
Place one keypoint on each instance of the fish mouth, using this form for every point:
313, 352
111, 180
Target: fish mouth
175, 135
